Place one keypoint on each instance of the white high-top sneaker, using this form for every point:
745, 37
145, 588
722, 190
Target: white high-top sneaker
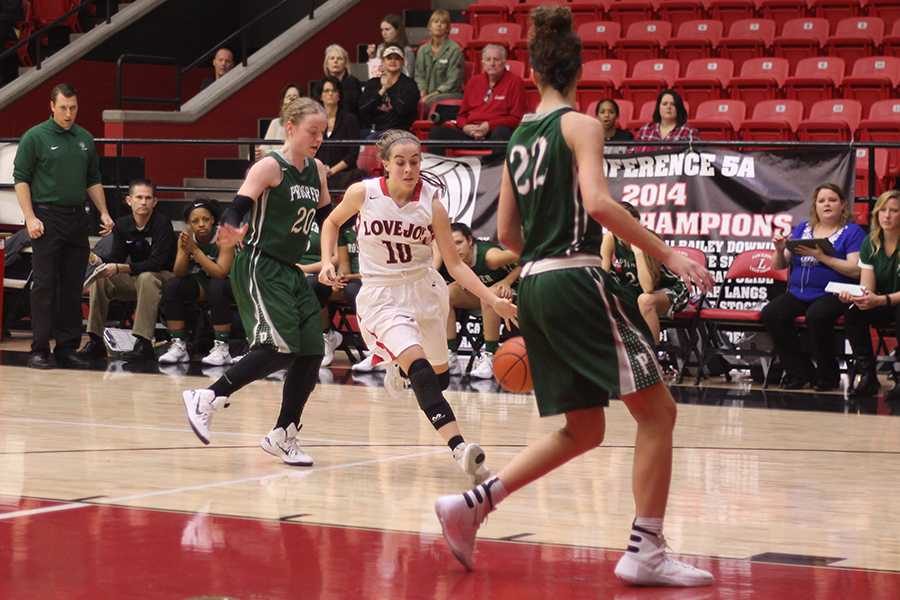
484, 366
283, 444
470, 458
200, 406
366, 366
219, 355
177, 353
461, 515
395, 384
647, 563
332, 340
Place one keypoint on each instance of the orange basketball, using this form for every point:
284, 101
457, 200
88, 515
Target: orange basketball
511, 368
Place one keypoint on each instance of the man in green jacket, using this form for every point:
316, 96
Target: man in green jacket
55, 164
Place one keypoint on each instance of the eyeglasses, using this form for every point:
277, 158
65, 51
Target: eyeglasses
329, 91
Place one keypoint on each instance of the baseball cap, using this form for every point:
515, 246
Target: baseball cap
392, 50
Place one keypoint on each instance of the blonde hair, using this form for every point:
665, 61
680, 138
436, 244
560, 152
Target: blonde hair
845, 213
390, 138
441, 14
332, 49
296, 110
876, 235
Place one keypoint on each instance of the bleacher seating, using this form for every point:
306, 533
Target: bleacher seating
760, 79
831, 121
773, 120
719, 119
648, 79
855, 38
799, 39
747, 38
705, 78
872, 79
643, 40
597, 37
695, 39
815, 78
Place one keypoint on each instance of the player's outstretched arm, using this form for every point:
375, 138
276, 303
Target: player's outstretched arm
460, 271
349, 206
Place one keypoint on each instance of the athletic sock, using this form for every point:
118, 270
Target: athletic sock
455, 441
648, 525
259, 362
484, 497
491, 346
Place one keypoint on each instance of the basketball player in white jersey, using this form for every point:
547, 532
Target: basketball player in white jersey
403, 304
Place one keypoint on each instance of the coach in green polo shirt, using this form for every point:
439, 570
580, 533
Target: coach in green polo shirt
55, 164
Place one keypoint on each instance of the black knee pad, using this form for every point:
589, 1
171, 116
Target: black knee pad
444, 380
427, 387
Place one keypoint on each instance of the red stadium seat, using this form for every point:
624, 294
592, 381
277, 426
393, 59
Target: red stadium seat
730, 11
627, 12
516, 67
486, 12
831, 120
855, 38
505, 34
890, 45
678, 12
882, 172
747, 38
695, 39
649, 78
781, 11
773, 120
600, 79
45, 12
835, 10
872, 79
883, 125
643, 41
760, 79
815, 79
705, 78
799, 39
719, 119
887, 10
644, 116
597, 37
462, 33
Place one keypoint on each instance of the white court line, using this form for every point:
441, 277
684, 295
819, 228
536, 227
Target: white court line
255, 436
207, 486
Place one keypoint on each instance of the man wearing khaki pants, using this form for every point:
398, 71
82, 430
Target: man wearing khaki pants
140, 262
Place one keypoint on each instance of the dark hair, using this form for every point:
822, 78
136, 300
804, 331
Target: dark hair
333, 81
141, 181
463, 229
615, 106
681, 115
396, 21
233, 55
65, 89
631, 209
208, 203
553, 47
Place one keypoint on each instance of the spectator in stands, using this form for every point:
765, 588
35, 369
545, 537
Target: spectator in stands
56, 164
311, 263
389, 101
201, 277
655, 290
498, 269
608, 115
342, 125
393, 33
142, 258
337, 65
223, 61
493, 103
276, 127
439, 64
10, 14
880, 302
669, 123
810, 271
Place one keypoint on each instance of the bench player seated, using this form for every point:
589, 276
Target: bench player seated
498, 270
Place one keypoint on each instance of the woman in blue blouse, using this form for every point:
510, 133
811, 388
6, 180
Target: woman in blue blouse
810, 271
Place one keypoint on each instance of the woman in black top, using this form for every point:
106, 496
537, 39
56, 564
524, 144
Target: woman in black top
608, 115
342, 125
389, 101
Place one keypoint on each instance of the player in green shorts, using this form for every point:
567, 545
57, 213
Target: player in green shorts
287, 193
584, 343
497, 269
655, 290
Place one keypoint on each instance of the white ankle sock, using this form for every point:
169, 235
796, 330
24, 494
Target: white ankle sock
484, 497
653, 525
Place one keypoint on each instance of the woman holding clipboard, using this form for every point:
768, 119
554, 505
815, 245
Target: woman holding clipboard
879, 302
811, 269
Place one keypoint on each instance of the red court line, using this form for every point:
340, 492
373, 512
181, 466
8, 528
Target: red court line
120, 552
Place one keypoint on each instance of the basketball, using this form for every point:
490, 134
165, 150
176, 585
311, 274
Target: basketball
511, 368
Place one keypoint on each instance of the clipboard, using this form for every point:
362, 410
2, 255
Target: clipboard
823, 243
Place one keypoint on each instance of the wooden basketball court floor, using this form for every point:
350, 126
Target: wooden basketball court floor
106, 493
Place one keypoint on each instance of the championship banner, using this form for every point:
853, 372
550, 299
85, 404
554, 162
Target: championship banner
726, 202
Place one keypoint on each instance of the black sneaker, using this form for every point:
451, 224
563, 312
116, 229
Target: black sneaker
93, 349
41, 360
142, 351
794, 382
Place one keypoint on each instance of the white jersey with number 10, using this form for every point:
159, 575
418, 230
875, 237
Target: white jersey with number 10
394, 241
